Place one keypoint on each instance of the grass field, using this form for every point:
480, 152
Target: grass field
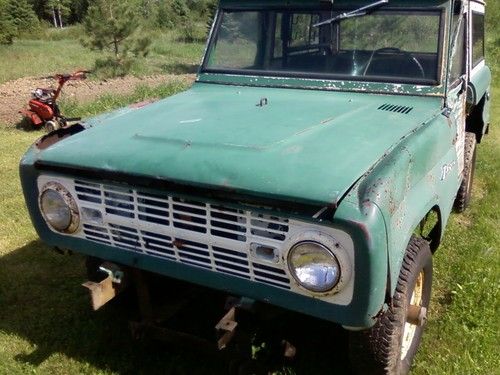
46, 326
61, 52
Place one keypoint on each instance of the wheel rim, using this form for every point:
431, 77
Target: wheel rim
410, 329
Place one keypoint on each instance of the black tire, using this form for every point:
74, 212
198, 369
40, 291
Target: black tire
379, 350
464, 193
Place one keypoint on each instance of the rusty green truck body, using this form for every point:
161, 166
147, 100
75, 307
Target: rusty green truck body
215, 185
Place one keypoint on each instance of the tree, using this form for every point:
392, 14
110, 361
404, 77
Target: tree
7, 27
21, 15
109, 23
164, 15
113, 25
57, 9
78, 10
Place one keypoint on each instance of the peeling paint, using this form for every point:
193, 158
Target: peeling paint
322, 84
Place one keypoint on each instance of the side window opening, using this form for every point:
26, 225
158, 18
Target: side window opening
477, 38
458, 59
302, 31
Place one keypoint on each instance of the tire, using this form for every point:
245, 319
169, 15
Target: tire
51, 126
391, 344
464, 193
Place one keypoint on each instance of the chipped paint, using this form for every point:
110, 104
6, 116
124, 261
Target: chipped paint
322, 152
312, 128
321, 84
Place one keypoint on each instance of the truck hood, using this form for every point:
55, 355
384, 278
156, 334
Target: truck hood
297, 145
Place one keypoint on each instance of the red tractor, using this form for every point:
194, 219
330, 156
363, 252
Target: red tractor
43, 109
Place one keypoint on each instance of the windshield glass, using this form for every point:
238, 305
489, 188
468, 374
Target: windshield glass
393, 46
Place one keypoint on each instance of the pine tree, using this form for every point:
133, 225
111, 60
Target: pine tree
22, 15
181, 12
7, 26
211, 10
78, 10
165, 17
109, 23
113, 25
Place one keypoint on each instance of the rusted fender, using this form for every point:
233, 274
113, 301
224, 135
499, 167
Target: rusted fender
418, 174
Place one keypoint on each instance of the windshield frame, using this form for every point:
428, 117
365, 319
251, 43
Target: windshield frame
439, 11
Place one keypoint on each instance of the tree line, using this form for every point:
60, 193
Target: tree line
22, 17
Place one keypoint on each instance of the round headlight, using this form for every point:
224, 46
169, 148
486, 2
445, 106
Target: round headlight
314, 267
59, 208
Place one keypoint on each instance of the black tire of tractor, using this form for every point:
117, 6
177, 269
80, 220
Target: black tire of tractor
379, 349
464, 193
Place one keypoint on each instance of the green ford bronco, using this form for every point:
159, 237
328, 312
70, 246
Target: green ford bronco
312, 166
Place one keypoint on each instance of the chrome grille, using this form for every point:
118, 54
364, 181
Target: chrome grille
200, 234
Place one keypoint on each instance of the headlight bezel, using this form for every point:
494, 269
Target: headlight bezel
320, 249
334, 247
70, 203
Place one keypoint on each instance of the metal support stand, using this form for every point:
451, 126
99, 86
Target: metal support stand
104, 291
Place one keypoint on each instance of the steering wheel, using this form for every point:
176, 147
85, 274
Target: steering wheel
395, 50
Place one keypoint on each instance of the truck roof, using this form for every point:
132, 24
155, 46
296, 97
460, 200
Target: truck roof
294, 3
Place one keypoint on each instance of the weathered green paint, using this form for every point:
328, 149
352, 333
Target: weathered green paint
324, 84
369, 290
216, 135
480, 81
329, 83
408, 183
317, 141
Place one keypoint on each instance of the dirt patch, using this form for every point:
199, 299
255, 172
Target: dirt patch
14, 95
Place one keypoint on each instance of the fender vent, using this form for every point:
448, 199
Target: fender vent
395, 108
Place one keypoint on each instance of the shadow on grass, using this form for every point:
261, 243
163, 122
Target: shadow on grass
27, 126
42, 302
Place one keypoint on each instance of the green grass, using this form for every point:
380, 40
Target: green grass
170, 55
46, 326
41, 58
61, 51
463, 334
109, 102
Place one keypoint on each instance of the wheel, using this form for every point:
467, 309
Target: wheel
50, 126
391, 344
465, 190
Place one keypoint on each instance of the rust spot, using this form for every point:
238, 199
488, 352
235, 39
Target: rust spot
48, 140
185, 217
378, 315
178, 243
363, 228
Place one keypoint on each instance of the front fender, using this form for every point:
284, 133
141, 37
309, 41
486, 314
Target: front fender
367, 228
417, 175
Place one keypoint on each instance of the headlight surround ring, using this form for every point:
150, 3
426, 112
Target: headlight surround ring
54, 196
330, 253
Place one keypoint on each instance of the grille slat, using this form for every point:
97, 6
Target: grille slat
203, 235
223, 266
267, 229
238, 230
229, 222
